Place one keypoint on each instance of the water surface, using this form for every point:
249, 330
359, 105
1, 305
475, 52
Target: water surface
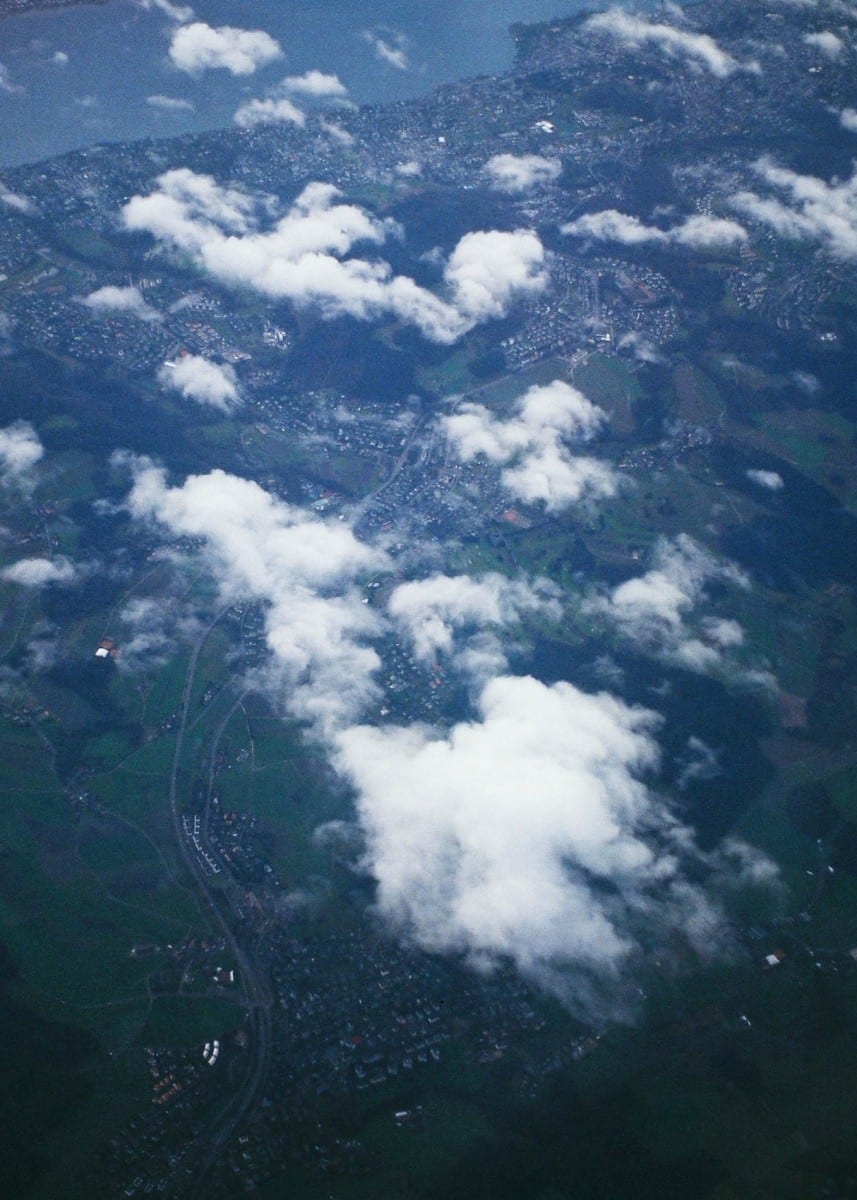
82, 75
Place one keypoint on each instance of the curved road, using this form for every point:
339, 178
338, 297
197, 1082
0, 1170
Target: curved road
199, 1155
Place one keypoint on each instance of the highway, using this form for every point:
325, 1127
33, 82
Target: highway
195, 1161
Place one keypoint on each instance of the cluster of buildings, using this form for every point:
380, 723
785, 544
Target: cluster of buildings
356, 1017
556, 103
192, 830
357, 1020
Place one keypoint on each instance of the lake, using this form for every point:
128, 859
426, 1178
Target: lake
76, 76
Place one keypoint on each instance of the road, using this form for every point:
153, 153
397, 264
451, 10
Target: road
191, 1169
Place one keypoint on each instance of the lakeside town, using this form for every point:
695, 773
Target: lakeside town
322, 1045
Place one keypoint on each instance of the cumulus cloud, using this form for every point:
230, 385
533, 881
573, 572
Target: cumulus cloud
60, 58
518, 173
390, 48
487, 269
21, 204
697, 232
656, 610
268, 112
301, 568
828, 43
317, 84
200, 379
199, 47
37, 572
529, 834
848, 119
429, 612
20, 450
771, 480
813, 210
170, 103
188, 208
127, 300
302, 258
532, 445
699, 49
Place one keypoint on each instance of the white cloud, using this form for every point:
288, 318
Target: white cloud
21, 204
175, 12
744, 866
771, 480
848, 119
818, 211
640, 346
20, 450
301, 568
723, 631
150, 631
199, 379
699, 763
518, 173
611, 225
698, 48
37, 572
655, 610
528, 834
409, 169
316, 84
170, 103
188, 208
128, 300
828, 43
532, 445
808, 383
430, 611
340, 135
390, 48
199, 47
487, 269
145, 641
7, 84
697, 232
302, 258
60, 58
268, 112
42, 648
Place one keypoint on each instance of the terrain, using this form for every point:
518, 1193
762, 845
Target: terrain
333, 462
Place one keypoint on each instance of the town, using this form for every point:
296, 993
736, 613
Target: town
264, 1022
